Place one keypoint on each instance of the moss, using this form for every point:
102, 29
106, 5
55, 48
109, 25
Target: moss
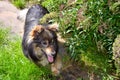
116, 54
48, 17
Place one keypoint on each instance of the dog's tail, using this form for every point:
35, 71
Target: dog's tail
34, 14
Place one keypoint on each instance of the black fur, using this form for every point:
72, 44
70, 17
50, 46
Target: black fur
32, 19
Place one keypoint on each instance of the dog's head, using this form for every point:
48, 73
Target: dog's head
46, 39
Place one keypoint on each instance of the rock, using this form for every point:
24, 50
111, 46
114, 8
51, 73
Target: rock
22, 14
8, 18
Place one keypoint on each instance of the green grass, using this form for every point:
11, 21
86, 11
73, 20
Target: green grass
92, 59
97, 64
19, 3
14, 65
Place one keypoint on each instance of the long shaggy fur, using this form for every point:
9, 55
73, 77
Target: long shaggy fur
39, 42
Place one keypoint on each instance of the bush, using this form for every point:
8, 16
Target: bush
88, 26
95, 32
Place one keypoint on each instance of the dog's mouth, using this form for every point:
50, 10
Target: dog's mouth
50, 58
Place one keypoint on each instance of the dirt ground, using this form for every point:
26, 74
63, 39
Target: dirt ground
8, 17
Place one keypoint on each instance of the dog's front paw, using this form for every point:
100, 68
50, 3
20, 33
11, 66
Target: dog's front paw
56, 72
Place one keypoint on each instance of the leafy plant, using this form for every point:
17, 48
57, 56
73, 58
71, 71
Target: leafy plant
95, 33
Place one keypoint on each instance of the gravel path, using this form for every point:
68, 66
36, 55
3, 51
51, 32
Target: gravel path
8, 18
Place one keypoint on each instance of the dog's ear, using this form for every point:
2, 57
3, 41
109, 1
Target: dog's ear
36, 31
54, 27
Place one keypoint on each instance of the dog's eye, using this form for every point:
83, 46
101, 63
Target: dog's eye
44, 43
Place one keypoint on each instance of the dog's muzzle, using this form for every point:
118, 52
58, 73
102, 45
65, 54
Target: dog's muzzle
51, 57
